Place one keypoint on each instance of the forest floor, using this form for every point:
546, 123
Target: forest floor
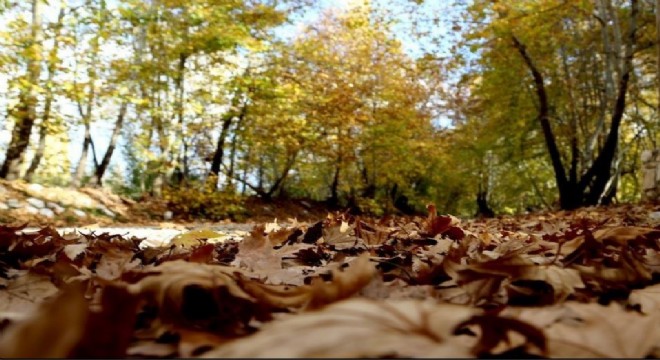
583, 283
34, 204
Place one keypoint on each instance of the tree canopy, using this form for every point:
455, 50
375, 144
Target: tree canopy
383, 106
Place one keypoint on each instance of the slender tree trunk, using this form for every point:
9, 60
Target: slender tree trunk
567, 196
178, 145
40, 150
657, 49
119, 123
48, 103
86, 114
599, 174
334, 187
25, 111
612, 55
232, 160
228, 119
84, 154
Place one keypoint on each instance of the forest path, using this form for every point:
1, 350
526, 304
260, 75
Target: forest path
159, 235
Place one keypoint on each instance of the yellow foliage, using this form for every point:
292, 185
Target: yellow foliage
192, 201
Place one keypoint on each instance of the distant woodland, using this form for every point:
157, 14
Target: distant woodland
481, 107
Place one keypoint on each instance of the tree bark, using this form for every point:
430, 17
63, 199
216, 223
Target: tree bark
657, 49
39, 151
227, 121
119, 123
48, 102
593, 188
86, 114
600, 172
567, 198
334, 187
483, 209
25, 111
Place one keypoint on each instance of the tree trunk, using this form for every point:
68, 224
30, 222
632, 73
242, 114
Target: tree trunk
599, 174
39, 152
86, 115
593, 187
334, 187
567, 198
483, 209
45, 118
84, 154
227, 121
119, 123
657, 49
178, 143
25, 111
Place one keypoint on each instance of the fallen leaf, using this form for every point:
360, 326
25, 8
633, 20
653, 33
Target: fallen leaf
648, 299
598, 331
24, 291
195, 237
52, 331
357, 328
343, 284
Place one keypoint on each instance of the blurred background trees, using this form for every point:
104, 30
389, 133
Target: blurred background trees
481, 107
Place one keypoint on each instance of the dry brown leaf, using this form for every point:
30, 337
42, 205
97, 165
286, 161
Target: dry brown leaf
344, 284
109, 326
152, 349
597, 331
541, 317
255, 252
563, 281
193, 343
114, 262
518, 269
624, 235
191, 294
360, 328
648, 299
339, 235
24, 291
52, 331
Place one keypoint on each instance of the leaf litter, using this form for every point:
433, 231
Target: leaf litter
565, 284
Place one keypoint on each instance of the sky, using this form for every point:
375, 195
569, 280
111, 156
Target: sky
102, 129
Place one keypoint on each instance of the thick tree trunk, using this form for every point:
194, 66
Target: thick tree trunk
483, 209
119, 123
20, 138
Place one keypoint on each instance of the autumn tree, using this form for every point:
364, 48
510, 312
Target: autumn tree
24, 112
365, 98
174, 40
568, 67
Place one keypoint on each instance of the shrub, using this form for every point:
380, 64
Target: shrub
203, 200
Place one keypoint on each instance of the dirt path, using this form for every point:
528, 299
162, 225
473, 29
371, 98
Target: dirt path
156, 235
